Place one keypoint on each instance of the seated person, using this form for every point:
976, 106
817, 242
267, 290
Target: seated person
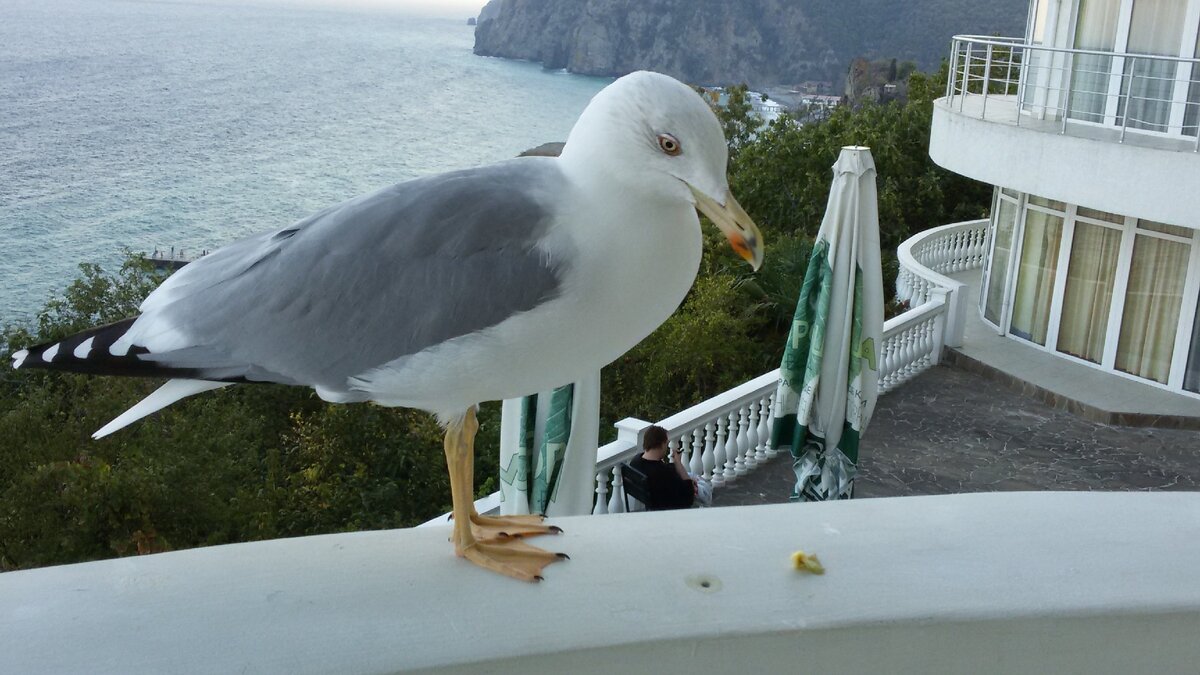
669, 486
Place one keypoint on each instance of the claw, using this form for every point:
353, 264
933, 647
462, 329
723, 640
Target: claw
563, 556
539, 578
556, 529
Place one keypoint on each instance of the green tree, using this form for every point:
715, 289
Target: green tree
243, 463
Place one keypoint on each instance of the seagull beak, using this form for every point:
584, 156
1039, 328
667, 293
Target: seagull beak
739, 229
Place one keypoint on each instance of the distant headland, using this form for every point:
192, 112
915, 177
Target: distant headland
759, 42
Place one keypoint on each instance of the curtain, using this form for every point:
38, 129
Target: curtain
1155, 28
1006, 218
1096, 29
1088, 295
1035, 276
1152, 305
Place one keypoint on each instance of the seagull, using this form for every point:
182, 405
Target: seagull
443, 292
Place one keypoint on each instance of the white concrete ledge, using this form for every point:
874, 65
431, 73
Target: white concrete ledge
1005, 582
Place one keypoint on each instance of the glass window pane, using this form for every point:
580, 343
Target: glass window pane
1147, 91
1048, 203
1005, 219
1177, 230
1100, 215
1088, 295
1035, 276
1156, 27
1152, 304
1037, 33
1096, 29
1191, 376
1191, 111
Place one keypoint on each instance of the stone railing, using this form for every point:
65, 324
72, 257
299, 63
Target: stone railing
912, 342
1076, 91
927, 257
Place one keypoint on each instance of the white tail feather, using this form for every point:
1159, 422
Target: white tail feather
162, 397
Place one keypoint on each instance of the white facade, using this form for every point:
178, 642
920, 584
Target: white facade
1088, 129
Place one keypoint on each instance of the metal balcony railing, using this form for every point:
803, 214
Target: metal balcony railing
1097, 94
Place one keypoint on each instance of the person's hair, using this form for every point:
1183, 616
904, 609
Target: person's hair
655, 436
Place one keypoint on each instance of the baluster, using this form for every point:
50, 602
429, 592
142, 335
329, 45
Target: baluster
885, 364
897, 358
765, 451
719, 457
710, 450
601, 506
908, 354
616, 498
697, 465
927, 347
752, 460
685, 450
731, 448
738, 438
914, 352
673, 451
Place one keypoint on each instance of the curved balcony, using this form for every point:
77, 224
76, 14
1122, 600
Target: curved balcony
1114, 131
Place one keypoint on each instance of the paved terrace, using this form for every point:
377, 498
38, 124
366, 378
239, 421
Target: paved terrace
970, 425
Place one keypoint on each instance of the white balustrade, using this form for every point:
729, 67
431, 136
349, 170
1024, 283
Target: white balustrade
925, 259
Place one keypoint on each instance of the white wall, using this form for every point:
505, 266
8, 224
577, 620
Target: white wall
1161, 185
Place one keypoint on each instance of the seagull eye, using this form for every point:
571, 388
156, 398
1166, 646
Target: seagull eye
669, 144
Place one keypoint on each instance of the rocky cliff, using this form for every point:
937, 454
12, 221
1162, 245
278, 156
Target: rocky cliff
729, 41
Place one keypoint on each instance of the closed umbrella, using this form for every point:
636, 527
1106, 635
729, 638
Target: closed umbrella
548, 451
829, 377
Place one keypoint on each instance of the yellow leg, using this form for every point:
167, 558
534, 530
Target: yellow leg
492, 528
506, 555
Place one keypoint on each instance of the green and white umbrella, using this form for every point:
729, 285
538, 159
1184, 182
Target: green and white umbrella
548, 450
829, 377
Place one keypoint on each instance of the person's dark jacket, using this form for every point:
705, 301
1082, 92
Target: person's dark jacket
667, 489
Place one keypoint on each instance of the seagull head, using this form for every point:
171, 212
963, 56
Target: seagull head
661, 139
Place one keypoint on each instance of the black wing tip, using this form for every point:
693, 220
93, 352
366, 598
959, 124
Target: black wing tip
65, 354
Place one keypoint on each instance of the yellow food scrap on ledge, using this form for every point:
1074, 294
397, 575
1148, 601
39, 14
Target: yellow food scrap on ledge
807, 562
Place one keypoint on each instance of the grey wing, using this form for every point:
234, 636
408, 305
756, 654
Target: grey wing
363, 283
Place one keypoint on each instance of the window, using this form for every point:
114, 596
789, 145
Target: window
1152, 304
1004, 220
1155, 28
1088, 296
1191, 376
1035, 276
1096, 29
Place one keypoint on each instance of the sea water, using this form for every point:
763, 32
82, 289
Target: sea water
149, 125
